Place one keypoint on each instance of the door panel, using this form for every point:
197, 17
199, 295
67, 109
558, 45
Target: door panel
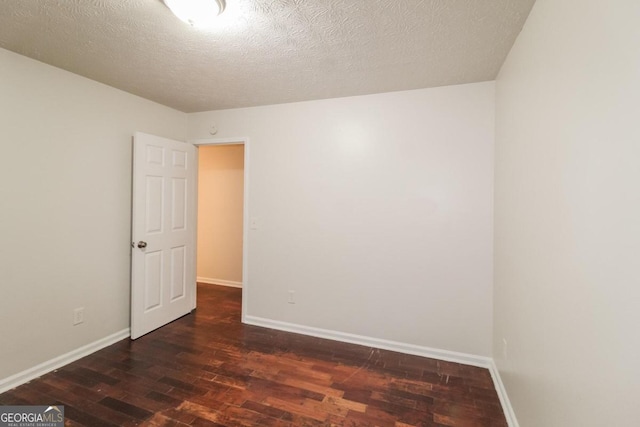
152, 280
179, 204
154, 199
163, 277
178, 261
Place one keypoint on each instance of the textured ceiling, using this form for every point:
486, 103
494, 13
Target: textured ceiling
267, 51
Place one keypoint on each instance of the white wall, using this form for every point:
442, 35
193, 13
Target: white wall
376, 210
65, 209
220, 205
567, 255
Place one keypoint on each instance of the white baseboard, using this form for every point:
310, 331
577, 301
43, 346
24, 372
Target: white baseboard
221, 282
37, 371
450, 356
509, 413
416, 350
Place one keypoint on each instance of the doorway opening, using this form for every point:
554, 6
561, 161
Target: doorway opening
222, 182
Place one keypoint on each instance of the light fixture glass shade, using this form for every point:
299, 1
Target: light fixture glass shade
197, 13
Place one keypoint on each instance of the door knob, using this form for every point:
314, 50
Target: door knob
142, 244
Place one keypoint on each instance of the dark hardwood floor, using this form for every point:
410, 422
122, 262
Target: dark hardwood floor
209, 369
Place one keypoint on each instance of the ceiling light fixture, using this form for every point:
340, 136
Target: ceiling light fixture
197, 13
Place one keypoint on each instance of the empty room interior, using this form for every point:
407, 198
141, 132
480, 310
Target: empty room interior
374, 212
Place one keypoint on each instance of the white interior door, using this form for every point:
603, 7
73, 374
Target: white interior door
163, 271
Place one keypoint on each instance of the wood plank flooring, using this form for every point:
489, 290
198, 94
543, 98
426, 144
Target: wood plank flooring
208, 369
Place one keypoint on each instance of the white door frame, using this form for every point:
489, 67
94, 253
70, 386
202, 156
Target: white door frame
245, 211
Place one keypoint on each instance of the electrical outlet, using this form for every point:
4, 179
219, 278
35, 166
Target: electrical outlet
504, 349
78, 316
292, 297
